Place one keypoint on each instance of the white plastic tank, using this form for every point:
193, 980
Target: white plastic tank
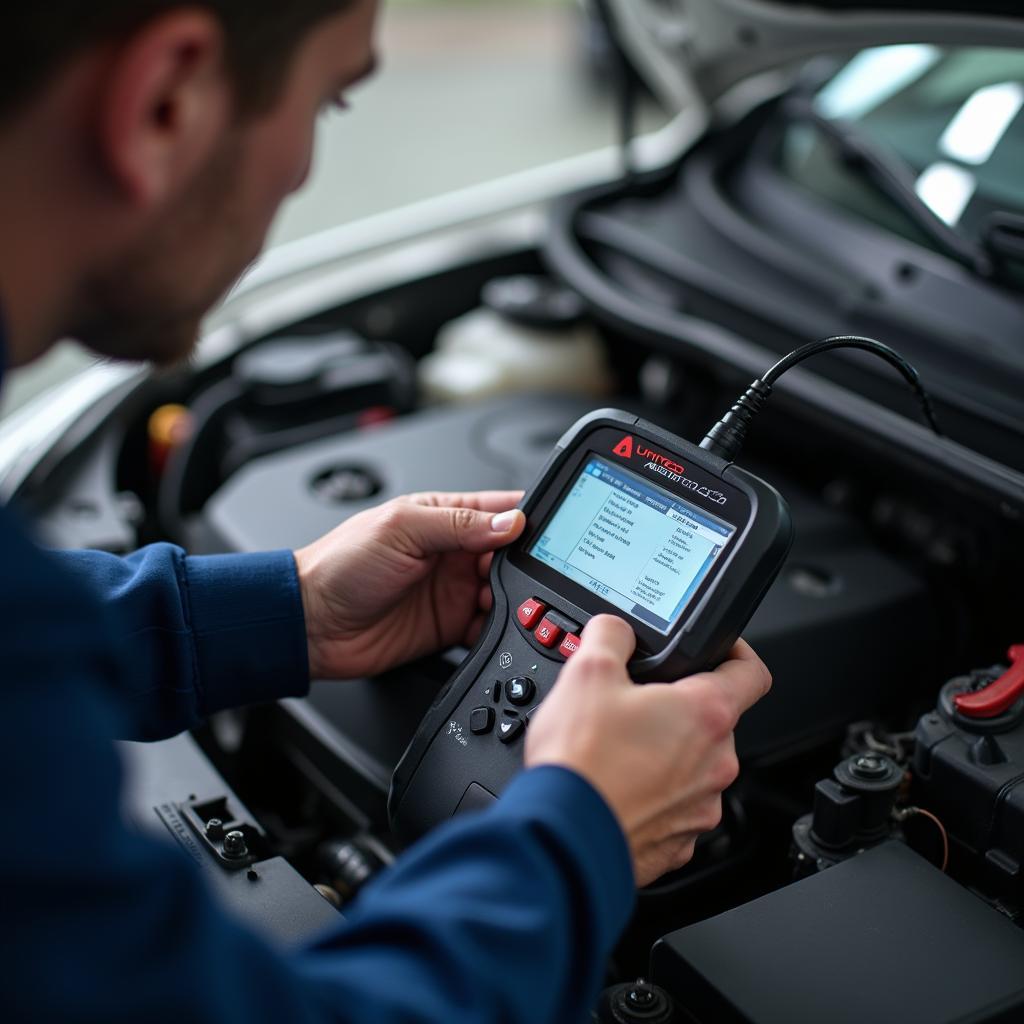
529, 335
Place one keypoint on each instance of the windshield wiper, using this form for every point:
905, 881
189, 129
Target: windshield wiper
1004, 235
895, 180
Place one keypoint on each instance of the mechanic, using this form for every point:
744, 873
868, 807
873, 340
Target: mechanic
144, 148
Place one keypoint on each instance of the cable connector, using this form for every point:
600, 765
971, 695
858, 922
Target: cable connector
726, 437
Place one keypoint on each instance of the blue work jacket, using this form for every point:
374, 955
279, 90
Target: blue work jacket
503, 916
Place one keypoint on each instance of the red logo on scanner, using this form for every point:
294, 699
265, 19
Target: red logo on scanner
624, 449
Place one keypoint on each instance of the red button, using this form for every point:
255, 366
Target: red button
570, 645
1000, 695
548, 633
529, 612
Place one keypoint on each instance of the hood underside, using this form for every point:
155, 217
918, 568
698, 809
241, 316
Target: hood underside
695, 50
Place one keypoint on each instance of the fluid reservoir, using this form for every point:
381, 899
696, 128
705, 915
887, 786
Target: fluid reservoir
529, 335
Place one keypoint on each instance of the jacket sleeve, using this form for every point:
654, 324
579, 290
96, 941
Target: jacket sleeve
204, 633
506, 915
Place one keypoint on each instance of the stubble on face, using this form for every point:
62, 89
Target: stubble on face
149, 302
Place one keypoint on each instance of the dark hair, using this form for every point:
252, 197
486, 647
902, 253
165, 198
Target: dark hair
261, 37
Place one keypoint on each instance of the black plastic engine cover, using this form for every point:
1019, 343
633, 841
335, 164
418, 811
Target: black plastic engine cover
883, 936
842, 629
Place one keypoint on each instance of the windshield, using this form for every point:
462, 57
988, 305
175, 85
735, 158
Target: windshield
951, 117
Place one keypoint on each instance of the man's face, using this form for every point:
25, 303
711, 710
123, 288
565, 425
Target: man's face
148, 303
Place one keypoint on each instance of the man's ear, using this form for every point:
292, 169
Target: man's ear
165, 101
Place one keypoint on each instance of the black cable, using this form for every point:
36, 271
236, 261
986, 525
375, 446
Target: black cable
726, 437
181, 488
878, 348
628, 93
628, 99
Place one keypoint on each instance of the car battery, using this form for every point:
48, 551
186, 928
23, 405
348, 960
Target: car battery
969, 771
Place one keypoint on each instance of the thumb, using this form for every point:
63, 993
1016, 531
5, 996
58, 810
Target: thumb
606, 645
435, 531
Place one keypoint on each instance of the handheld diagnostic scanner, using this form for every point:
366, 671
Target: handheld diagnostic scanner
624, 518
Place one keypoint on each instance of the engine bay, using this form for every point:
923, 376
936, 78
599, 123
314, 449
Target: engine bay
900, 596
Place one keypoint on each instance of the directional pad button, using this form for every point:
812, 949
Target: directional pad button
481, 720
520, 690
510, 728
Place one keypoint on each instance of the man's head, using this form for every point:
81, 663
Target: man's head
145, 146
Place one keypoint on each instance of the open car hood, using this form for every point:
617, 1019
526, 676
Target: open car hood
692, 51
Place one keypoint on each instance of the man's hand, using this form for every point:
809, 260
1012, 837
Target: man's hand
659, 754
402, 580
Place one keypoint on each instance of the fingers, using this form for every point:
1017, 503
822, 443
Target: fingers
744, 679
742, 651
434, 529
606, 645
481, 501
